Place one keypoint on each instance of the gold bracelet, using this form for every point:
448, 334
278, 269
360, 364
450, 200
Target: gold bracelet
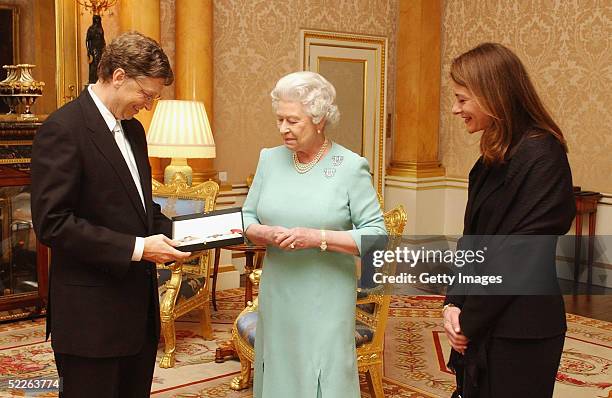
448, 306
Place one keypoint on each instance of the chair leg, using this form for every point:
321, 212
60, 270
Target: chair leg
167, 360
373, 378
214, 277
206, 323
225, 351
167, 306
244, 380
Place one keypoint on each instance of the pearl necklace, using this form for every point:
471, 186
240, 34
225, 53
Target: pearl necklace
306, 167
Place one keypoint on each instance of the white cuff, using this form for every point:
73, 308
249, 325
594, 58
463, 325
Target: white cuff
138, 249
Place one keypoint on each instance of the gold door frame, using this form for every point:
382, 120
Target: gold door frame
67, 54
357, 41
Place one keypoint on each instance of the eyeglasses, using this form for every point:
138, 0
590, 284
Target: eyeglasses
148, 97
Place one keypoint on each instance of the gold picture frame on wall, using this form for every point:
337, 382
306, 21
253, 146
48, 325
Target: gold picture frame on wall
356, 65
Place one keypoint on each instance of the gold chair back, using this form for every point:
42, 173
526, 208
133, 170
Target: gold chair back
177, 198
373, 310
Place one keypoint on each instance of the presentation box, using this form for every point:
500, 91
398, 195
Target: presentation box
201, 231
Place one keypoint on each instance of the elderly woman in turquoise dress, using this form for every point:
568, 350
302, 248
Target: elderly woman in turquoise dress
310, 203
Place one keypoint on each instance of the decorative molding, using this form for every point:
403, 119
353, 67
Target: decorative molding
416, 169
412, 183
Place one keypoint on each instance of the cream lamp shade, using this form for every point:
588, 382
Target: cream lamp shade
180, 130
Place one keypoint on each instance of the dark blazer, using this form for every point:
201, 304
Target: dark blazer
86, 208
533, 196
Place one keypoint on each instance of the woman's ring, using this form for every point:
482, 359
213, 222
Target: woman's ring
292, 245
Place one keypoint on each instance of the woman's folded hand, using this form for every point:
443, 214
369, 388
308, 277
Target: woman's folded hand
453, 330
298, 238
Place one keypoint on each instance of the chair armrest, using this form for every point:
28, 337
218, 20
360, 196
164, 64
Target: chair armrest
373, 295
368, 300
255, 276
180, 263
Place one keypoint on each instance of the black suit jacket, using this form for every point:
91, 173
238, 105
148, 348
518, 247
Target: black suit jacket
537, 199
86, 208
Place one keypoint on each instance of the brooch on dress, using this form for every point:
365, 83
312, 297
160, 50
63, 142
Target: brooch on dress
337, 160
329, 172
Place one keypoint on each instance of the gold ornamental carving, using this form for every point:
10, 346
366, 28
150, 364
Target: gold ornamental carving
20, 88
97, 7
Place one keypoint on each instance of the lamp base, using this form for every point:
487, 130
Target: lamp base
178, 165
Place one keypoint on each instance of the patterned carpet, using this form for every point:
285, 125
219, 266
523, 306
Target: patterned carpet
415, 355
416, 351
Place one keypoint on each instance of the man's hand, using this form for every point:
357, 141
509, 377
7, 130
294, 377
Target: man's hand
453, 330
161, 249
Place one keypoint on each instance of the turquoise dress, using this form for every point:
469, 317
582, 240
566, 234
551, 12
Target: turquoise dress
305, 342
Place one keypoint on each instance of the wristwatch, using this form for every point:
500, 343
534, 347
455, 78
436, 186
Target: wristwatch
323, 245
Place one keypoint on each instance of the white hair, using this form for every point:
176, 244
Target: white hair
313, 91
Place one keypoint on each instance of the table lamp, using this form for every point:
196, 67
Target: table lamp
180, 130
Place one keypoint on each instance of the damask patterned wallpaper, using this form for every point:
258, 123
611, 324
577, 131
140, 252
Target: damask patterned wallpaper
255, 43
567, 49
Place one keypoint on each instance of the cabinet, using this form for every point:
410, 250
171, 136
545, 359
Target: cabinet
23, 260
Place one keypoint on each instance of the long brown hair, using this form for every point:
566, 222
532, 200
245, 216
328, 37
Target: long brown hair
500, 84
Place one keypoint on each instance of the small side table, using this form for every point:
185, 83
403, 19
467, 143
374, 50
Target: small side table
586, 203
250, 250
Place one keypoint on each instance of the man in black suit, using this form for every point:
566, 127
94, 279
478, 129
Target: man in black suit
92, 205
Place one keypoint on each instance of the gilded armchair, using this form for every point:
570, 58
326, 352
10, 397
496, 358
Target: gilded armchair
373, 311
370, 323
184, 285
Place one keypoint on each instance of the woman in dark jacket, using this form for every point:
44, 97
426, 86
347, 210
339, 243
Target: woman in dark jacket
509, 345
